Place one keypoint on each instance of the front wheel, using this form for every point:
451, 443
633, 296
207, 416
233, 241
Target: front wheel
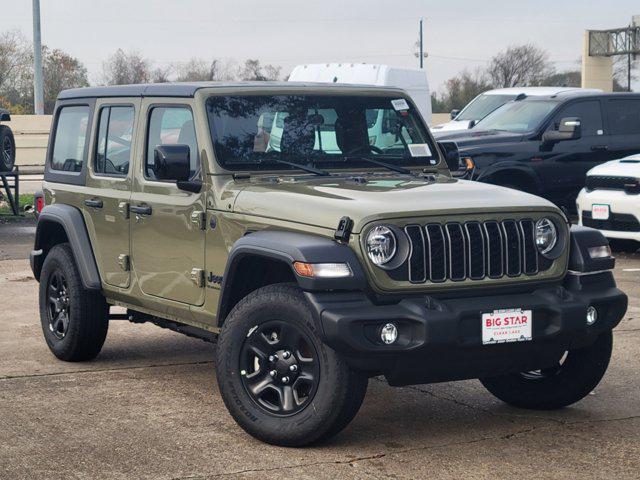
577, 373
278, 380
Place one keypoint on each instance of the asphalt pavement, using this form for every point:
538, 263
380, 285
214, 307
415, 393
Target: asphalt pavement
148, 408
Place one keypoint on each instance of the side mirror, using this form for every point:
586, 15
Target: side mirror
569, 129
451, 155
454, 113
172, 162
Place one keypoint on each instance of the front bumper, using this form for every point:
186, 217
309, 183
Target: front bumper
619, 202
440, 339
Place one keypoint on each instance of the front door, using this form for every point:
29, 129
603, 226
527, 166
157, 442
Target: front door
168, 237
108, 190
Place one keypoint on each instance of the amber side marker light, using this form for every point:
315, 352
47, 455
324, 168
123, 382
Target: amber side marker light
322, 270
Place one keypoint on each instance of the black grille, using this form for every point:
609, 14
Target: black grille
472, 250
617, 222
599, 182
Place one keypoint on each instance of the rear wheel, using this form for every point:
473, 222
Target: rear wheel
279, 381
7, 149
74, 320
577, 373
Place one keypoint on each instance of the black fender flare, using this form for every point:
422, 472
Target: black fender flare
71, 220
290, 247
501, 168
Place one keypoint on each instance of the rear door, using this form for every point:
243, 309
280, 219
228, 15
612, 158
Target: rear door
167, 224
109, 181
623, 115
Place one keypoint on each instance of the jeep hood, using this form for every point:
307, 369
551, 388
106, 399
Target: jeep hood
322, 201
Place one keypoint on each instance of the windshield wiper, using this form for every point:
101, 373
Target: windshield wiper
306, 168
388, 166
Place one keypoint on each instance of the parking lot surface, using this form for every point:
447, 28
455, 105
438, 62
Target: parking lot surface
148, 407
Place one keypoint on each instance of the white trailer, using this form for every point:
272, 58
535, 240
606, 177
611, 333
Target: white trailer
412, 80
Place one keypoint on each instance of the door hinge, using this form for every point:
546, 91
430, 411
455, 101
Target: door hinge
199, 218
123, 209
197, 277
123, 261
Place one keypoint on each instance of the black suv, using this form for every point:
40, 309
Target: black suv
546, 145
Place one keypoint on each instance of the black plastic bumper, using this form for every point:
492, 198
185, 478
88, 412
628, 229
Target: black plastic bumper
440, 339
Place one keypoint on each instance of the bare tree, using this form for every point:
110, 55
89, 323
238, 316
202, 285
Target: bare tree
460, 90
620, 73
198, 70
61, 71
253, 70
124, 68
520, 65
15, 68
161, 74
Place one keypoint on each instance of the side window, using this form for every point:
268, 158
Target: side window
590, 115
69, 139
115, 134
624, 116
171, 126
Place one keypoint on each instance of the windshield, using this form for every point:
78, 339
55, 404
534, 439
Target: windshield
520, 116
483, 105
252, 132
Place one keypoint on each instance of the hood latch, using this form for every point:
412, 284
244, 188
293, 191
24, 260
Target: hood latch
343, 232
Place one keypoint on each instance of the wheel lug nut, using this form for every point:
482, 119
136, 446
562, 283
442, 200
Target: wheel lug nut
273, 358
293, 368
273, 373
285, 379
286, 354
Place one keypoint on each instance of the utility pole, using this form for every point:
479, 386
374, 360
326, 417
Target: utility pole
38, 93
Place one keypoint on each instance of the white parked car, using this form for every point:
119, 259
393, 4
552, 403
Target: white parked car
610, 202
487, 102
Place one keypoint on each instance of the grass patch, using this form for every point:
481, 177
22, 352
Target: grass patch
5, 207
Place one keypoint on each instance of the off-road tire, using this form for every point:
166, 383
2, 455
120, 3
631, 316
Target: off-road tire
572, 381
624, 245
88, 312
339, 392
7, 149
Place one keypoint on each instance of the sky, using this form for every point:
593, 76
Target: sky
459, 34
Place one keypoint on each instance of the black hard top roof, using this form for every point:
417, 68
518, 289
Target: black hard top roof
185, 89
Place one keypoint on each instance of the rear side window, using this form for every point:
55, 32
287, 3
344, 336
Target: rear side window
115, 134
590, 115
171, 126
624, 116
69, 140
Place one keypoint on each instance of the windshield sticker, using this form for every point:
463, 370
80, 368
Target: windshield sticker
419, 150
400, 104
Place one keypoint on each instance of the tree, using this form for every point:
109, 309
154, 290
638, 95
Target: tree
15, 65
620, 73
519, 66
252, 70
123, 68
161, 74
61, 71
569, 78
199, 70
460, 90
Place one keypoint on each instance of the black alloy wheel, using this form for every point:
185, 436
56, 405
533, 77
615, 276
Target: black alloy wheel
279, 367
58, 304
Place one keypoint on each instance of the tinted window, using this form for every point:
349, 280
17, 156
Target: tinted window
327, 131
589, 113
624, 116
69, 141
115, 134
171, 126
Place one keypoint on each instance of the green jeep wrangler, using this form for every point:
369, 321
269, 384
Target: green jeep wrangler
317, 233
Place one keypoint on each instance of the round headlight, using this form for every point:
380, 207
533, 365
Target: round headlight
381, 245
546, 235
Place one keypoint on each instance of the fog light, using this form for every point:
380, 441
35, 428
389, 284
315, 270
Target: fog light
389, 333
592, 315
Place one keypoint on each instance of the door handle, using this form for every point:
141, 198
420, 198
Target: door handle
599, 148
93, 203
141, 209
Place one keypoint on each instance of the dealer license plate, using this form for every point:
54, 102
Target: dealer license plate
600, 211
508, 325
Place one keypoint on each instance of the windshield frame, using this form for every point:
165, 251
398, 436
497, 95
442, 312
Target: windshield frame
331, 162
555, 103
